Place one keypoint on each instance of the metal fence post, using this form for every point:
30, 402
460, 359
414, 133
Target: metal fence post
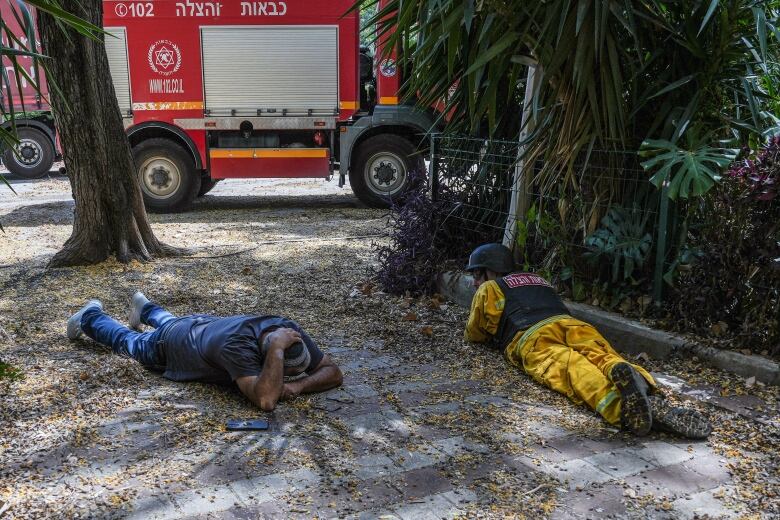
521, 181
434, 169
660, 253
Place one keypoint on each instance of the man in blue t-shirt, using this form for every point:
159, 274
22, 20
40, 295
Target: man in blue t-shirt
268, 357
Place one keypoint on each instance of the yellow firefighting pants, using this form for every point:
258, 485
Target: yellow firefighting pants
571, 357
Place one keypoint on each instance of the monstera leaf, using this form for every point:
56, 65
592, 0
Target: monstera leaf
623, 240
687, 172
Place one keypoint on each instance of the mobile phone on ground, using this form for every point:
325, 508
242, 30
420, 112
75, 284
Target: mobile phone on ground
250, 425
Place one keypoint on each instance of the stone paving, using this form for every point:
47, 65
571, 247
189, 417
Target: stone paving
404, 457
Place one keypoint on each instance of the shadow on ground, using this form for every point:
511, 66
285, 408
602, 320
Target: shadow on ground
210, 209
14, 180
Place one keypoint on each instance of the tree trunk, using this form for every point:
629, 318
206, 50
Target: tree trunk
109, 218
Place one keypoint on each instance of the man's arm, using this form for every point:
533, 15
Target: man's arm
264, 390
326, 376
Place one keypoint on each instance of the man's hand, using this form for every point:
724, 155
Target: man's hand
268, 388
282, 338
289, 392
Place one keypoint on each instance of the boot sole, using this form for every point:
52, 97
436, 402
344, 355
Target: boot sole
681, 421
134, 321
635, 411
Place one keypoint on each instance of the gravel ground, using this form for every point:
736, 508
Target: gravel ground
302, 249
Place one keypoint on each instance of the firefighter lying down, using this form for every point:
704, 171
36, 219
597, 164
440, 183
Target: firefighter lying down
525, 316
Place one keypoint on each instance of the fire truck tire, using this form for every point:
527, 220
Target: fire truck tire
36, 154
380, 170
167, 175
206, 185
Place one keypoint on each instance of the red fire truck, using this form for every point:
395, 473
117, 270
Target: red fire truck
36, 150
235, 89
248, 89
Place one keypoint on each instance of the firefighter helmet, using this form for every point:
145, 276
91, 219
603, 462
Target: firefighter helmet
496, 257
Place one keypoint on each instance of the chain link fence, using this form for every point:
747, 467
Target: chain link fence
599, 220
602, 233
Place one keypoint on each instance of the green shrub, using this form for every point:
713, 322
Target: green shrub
729, 279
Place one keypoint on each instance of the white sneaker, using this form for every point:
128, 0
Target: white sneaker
74, 323
139, 300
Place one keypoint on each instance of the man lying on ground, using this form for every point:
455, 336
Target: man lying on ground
524, 314
268, 357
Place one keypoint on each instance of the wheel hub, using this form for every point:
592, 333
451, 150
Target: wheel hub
161, 177
385, 173
28, 152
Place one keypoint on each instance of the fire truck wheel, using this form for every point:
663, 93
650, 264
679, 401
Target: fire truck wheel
36, 154
380, 170
206, 185
167, 175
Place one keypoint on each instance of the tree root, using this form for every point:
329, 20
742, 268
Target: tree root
167, 251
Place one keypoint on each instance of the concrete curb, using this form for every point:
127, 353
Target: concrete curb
634, 338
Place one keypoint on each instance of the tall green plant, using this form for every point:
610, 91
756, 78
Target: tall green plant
615, 74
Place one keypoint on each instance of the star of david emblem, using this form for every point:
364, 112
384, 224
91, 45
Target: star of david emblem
164, 58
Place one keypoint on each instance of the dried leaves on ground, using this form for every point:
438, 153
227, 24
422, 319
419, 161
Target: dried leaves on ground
88, 433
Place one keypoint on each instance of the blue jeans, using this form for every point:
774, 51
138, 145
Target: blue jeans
144, 347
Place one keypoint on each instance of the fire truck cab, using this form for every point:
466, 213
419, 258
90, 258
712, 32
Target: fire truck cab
238, 89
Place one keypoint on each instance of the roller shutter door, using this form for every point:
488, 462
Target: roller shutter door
246, 69
116, 49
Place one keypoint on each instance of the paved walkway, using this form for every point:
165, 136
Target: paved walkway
425, 425
397, 450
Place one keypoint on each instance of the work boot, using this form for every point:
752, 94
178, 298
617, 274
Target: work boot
139, 300
635, 412
74, 323
678, 420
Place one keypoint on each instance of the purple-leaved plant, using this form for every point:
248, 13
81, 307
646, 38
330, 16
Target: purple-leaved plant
410, 262
760, 174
